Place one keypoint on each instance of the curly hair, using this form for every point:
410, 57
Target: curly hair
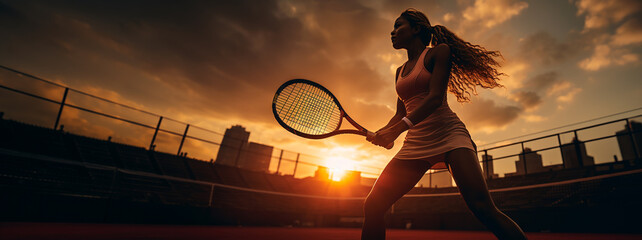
472, 65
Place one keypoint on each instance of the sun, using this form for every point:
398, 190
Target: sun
338, 166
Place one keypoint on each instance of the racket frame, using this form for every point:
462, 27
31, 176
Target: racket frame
360, 130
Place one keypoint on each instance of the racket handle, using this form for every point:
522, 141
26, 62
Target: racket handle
370, 134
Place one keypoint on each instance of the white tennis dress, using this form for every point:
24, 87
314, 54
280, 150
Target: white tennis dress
440, 132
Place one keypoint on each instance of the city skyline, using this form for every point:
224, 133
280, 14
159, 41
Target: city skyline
213, 64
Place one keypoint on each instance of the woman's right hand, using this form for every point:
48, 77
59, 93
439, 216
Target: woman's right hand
371, 137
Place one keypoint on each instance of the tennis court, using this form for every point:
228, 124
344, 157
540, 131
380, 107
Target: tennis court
71, 231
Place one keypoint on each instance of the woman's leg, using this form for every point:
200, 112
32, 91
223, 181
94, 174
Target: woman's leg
397, 179
464, 168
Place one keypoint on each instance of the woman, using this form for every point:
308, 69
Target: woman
437, 60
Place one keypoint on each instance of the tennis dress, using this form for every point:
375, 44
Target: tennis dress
440, 132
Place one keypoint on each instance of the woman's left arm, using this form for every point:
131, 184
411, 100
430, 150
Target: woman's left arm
437, 88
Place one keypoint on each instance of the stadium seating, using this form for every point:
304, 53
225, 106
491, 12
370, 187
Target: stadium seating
190, 193
78, 167
172, 165
230, 175
256, 180
134, 158
203, 171
35, 139
95, 151
279, 183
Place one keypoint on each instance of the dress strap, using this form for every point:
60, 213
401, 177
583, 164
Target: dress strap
414, 68
403, 66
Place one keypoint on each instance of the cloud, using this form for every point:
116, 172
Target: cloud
448, 17
603, 56
545, 49
527, 99
534, 118
515, 73
224, 56
529, 93
391, 9
609, 48
598, 14
486, 115
558, 87
569, 96
629, 32
542, 81
489, 13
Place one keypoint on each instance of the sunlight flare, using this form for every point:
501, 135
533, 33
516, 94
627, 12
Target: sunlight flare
338, 166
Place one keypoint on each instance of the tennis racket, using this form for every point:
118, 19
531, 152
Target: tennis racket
309, 110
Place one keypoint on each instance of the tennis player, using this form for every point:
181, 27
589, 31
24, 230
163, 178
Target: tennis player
438, 60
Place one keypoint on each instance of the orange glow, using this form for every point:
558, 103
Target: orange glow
338, 167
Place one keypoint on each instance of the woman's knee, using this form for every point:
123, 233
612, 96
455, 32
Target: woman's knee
374, 206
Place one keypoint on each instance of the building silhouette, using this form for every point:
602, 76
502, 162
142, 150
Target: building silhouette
256, 157
236, 151
487, 165
529, 162
629, 143
322, 173
570, 152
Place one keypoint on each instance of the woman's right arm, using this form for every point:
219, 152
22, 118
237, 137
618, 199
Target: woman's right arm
401, 112
401, 108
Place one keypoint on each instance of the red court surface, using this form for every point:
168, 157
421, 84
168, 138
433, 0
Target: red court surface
44, 231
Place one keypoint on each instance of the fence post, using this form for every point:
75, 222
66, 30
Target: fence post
182, 140
559, 144
279, 164
578, 151
634, 144
151, 145
62, 104
296, 163
524, 158
211, 196
486, 159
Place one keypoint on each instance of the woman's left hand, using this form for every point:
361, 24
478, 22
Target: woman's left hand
386, 136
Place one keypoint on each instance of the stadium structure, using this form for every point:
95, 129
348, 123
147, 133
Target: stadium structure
58, 175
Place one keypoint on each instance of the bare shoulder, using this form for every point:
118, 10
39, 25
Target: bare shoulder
441, 51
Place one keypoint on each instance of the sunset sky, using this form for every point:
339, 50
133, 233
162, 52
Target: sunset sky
214, 64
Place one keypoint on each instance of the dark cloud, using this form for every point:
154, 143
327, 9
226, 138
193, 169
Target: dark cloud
527, 99
541, 82
484, 113
629, 32
225, 55
529, 95
544, 49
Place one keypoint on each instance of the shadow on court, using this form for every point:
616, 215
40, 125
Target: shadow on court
73, 231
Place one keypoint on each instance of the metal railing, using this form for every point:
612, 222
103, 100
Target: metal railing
628, 141
279, 157
296, 161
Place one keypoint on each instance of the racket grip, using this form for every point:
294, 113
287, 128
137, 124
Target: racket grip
370, 134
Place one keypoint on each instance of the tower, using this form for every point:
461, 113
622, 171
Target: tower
234, 141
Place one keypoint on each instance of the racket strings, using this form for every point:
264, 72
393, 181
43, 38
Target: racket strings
308, 109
